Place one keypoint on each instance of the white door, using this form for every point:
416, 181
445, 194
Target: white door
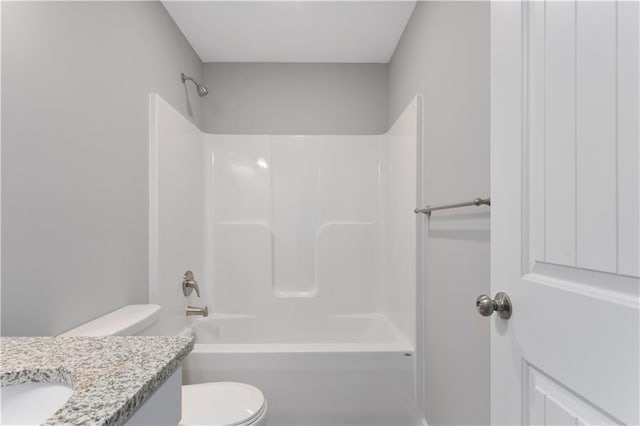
565, 216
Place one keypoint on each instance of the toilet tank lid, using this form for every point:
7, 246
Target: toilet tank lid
125, 321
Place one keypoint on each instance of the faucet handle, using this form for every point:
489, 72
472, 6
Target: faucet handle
189, 284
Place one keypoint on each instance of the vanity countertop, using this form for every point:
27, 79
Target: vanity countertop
111, 376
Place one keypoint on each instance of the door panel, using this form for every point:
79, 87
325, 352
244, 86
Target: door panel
556, 89
565, 213
582, 337
596, 135
550, 403
585, 164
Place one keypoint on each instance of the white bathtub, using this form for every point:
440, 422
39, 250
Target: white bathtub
340, 370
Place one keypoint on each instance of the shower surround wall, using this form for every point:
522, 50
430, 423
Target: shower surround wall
293, 224
285, 226
305, 251
176, 204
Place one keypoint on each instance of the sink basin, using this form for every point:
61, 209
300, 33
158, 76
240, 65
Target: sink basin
32, 403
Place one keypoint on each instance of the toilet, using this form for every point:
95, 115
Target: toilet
214, 404
223, 403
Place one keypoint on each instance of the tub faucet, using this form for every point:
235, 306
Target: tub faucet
194, 310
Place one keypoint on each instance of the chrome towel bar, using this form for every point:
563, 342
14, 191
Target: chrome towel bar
476, 202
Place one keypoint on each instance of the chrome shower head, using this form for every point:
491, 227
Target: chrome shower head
202, 90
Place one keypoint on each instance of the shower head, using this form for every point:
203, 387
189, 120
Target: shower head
202, 90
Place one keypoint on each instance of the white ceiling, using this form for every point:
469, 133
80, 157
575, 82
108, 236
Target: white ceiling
292, 31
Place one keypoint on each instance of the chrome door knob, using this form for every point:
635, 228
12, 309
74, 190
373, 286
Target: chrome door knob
501, 304
484, 305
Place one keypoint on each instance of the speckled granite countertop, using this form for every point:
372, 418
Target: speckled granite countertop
111, 376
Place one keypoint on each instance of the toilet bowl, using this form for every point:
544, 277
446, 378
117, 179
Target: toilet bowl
223, 404
213, 404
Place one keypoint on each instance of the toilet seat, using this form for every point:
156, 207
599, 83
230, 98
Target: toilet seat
222, 404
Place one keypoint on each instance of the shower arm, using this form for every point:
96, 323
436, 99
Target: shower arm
202, 90
184, 78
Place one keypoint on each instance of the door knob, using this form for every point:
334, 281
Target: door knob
501, 304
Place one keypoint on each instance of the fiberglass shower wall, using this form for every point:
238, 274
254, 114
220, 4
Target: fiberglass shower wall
293, 224
286, 226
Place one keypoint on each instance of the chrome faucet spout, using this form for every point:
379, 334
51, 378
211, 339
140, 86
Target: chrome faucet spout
194, 310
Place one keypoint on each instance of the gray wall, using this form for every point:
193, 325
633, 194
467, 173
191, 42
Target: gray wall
273, 98
75, 81
75, 85
444, 54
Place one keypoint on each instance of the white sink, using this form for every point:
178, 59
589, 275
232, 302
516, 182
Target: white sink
31, 403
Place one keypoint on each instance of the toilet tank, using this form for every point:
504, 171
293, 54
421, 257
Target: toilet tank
126, 321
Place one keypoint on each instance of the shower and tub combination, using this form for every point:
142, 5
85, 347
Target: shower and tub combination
304, 251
